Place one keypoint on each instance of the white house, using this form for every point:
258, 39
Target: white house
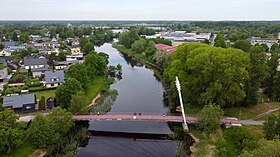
5, 52
31, 62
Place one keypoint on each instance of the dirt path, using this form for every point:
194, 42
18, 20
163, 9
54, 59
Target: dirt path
266, 113
93, 102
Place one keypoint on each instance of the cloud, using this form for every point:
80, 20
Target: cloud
141, 9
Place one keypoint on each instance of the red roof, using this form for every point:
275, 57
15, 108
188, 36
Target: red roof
169, 49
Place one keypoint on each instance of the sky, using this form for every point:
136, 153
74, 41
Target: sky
140, 10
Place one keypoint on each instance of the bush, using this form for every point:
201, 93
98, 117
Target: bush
39, 89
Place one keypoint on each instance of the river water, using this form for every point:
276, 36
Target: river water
139, 91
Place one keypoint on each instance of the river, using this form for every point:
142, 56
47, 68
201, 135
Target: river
139, 91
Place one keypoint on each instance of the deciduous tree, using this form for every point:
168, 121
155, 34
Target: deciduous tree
209, 118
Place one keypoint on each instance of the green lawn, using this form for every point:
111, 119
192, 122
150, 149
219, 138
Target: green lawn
94, 88
255, 130
250, 112
265, 117
47, 94
24, 150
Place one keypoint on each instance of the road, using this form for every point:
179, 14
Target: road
150, 117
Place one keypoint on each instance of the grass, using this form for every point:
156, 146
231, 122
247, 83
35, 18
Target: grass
94, 88
25, 150
256, 131
206, 144
189, 109
265, 117
250, 112
47, 94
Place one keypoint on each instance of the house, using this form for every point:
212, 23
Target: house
3, 74
78, 57
31, 62
75, 50
163, 47
64, 65
20, 103
5, 52
8, 44
35, 38
17, 48
3, 62
39, 72
54, 78
268, 42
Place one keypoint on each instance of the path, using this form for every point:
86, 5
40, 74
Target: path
266, 113
93, 102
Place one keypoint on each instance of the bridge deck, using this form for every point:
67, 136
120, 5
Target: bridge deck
160, 118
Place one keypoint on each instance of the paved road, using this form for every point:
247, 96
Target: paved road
159, 118
251, 122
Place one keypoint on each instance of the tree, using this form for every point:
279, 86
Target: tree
62, 56
83, 41
139, 45
78, 72
243, 45
264, 149
272, 82
271, 127
127, 38
96, 64
209, 74
2, 46
63, 93
258, 72
89, 47
209, 118
24, 38
266, 48
15, 36
42, 103
274, 47
220, 41
11, 132
78, 103
46, 130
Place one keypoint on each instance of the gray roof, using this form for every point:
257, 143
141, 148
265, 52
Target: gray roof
54, 76
7, 44
3, 62
17, 101
34, 61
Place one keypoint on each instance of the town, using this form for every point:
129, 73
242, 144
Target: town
213, 86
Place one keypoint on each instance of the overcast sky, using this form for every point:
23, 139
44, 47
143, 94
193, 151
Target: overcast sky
140, 9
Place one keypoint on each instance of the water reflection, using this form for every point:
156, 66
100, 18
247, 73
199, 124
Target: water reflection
139, 91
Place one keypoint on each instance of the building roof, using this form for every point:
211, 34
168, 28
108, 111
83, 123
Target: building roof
30, 60
3, 62
54, 76
17, 101
169, 49
7, 44
17, 47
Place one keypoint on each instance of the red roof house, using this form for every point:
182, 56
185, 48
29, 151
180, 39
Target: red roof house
163, 47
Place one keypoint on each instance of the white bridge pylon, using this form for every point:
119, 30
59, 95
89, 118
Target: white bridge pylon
185, 124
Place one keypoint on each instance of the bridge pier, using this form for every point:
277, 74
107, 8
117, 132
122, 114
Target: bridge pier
185, 127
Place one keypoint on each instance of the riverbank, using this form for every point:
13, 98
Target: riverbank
157, 70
